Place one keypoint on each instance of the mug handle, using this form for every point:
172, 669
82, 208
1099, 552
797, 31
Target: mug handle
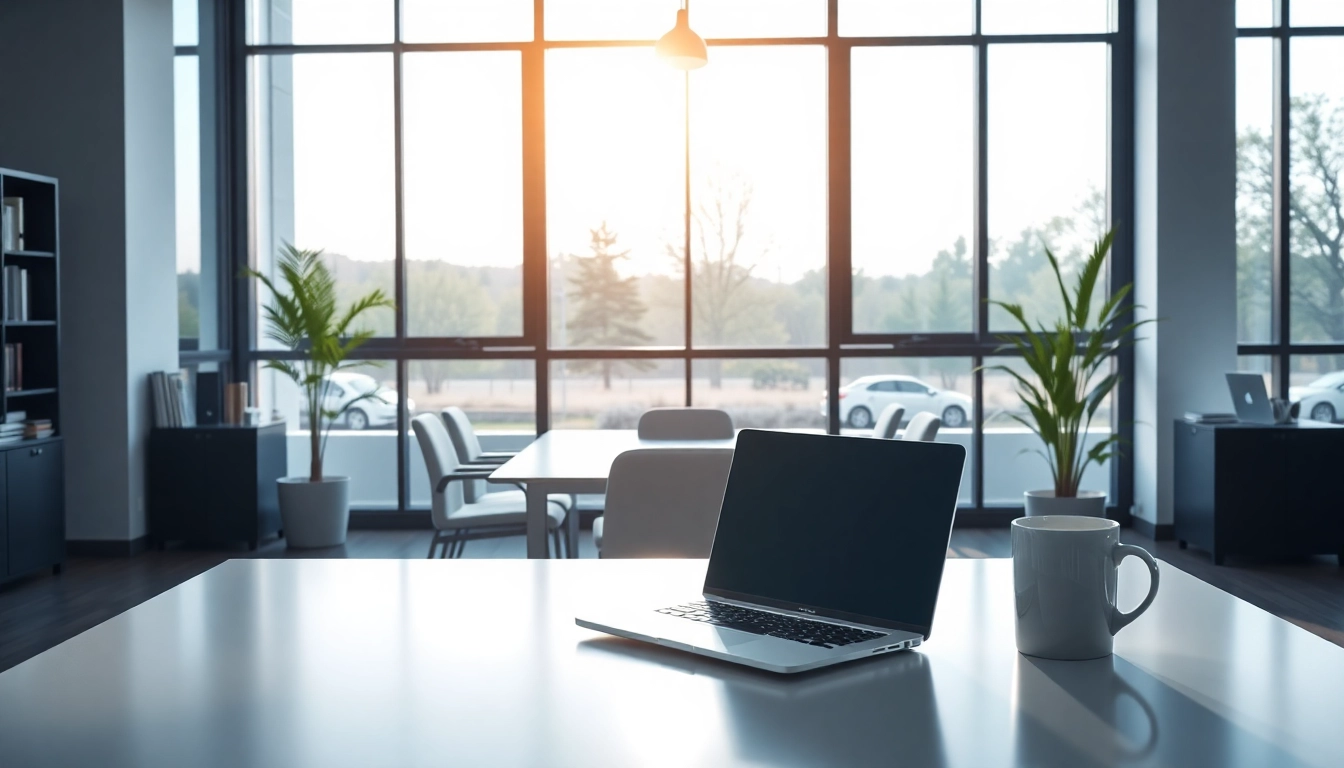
1120, 619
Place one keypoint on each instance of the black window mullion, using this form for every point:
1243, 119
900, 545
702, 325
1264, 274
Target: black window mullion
536, 276
980, 271
1280, 310
399, 267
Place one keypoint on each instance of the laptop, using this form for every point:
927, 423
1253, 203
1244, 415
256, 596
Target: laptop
828, 549
1250, 398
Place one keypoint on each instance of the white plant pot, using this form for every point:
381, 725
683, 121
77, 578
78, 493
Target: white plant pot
315, 514
1089, 503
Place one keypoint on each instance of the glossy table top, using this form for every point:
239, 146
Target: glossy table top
364, 663
583, 454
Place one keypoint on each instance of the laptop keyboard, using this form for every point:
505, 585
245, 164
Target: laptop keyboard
818, 633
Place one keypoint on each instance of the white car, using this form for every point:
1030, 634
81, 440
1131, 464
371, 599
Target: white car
862, 400
1322, 399
380, 410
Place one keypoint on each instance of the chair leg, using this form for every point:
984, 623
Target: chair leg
434, 544
459, 543
555, 543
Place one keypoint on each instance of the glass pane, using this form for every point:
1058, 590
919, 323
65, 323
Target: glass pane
1317, 382
466, 21
758, 244
1255, 188
362, 445
870, 18
1261, 364
611, 19
322, 174
1257, 13
1047, 174
762, 393
1038, 17
615, 149
1317, 171
1012, 466
611, 394
463, 193
318, 22
755, 18
913, 189
1317, 13
186, 24
499, 397
942, 386
187, 167
651, 19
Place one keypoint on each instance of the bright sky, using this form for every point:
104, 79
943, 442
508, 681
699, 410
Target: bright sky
614, 122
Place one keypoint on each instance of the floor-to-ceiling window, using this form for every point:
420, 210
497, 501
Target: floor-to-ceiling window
801, 233
1290, 204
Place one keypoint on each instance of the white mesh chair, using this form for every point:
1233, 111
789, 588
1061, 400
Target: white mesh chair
663, 502
469, 451
457, 521
685, 424
923, 427
888, 422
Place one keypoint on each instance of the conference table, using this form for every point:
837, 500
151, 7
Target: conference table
573, 461
477, 662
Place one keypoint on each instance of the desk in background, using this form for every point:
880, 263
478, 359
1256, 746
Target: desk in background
1251, 489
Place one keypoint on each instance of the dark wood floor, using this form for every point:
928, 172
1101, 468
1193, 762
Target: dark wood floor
39, 612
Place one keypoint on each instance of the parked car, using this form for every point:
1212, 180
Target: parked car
1322, 399
862, 400
377, 411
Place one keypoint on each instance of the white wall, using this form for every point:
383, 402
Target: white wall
1185, 227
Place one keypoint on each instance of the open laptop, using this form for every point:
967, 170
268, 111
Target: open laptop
1250, 398
828, 549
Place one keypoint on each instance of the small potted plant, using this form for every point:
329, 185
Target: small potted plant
1067, 392
304, 318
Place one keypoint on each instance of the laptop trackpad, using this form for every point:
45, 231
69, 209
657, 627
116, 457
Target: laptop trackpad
731, 638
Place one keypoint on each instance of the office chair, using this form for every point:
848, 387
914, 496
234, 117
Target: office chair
469, 450
923, 427
888, 422
457, 521
663, 502
685, 424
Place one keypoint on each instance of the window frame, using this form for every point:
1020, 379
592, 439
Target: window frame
1281, 349
223, 39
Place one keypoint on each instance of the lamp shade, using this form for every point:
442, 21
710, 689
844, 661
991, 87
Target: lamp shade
681, 47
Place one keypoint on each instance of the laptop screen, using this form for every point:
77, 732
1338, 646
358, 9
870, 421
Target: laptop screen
852, 528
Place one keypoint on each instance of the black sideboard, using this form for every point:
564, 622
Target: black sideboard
1268, 491
32, 507
215, 484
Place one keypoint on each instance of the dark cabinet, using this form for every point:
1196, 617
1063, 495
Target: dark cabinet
33, 488
1247, 489
215, 484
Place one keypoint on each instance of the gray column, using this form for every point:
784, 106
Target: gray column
92, 105
1185, 228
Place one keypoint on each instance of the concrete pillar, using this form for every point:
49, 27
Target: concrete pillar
1185, 230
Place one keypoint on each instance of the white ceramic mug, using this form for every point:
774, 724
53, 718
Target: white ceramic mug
1064, 578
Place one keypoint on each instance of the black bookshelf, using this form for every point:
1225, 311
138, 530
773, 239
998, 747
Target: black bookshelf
32, 471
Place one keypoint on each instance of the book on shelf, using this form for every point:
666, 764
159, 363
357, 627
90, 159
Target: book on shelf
16, 417
37, 428
16, 294
13, 223
172, 400
13, 367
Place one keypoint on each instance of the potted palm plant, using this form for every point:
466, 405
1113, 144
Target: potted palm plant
303, 317
1066, 361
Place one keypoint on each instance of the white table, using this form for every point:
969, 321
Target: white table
471, 662
574, 461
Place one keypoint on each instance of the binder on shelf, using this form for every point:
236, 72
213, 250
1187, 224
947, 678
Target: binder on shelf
13, 367
13, 223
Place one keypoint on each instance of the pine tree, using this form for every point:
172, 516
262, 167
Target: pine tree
608, 308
